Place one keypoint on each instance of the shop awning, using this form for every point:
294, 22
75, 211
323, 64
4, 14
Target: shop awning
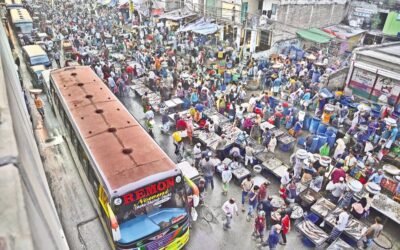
315, 35
392, 24
201, 26
178, 14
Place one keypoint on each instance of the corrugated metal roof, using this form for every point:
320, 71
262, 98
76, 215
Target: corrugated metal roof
315, 35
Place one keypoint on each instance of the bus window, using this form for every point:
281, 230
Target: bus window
93, 180
84, 159
74, 140
103, 199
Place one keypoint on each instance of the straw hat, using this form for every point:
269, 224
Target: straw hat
373, 188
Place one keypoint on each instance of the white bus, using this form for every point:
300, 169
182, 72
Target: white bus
13, 4
22, 21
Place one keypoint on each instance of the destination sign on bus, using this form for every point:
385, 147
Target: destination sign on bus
154, 192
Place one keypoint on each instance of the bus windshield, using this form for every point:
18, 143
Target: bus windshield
39, 60
148, 210
24, 28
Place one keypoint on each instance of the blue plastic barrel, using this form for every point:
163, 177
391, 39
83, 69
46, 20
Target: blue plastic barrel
331, 138
314, 144
289, 123
322, 139
306, 122
321, 128
301, 140
314, 125
332, 130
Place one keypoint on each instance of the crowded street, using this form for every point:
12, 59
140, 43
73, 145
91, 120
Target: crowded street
167, 130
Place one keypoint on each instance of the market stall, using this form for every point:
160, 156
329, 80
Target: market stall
322, 207
312, 232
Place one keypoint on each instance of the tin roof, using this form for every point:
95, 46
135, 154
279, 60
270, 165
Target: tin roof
121, 148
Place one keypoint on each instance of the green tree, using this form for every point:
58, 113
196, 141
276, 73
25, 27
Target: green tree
375, 21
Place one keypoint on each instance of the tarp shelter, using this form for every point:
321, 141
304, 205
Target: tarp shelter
109, 3
315, 35
177, 15
202, 27
392, 24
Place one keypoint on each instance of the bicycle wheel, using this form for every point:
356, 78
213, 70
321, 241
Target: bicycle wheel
383, 241
207, 214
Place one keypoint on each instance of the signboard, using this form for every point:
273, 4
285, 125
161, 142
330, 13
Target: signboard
153, 194
362, 82
387, 86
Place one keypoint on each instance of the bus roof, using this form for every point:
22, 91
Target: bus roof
121, 148
20, 16
34, 50
13, 4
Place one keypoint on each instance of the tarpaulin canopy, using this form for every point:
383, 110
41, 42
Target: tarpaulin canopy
314, 35
392, 24
110, 3
178, 14
201, 26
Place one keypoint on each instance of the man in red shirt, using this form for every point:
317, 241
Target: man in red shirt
337, 173
285, 223
181, 124
262, 193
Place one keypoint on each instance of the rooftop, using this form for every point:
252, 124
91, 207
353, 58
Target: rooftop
343, 31
389, 52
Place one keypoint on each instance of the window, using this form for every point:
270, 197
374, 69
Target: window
74, 140
92, 177
260, 4
83, 158
274, 8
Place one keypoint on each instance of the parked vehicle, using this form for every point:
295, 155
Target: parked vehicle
35, 55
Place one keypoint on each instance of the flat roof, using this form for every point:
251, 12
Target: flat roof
343, 31
20, 15
389, 52
34, 50
121, 148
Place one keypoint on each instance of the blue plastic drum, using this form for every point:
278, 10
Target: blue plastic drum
314, 144
322, 139
306, 122
331, 138
321, 128
314, 125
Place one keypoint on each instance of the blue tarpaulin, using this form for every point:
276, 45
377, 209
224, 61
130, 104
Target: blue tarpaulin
201, 26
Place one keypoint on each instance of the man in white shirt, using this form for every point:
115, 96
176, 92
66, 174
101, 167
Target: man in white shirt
197, 155
285, 179
341, 223
249, 155
229, 209
337, 190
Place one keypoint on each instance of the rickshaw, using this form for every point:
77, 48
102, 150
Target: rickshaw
67, 49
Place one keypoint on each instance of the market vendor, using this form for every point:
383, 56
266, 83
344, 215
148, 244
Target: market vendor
377, 177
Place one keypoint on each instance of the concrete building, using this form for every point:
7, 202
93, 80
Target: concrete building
285, 17
375, 72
